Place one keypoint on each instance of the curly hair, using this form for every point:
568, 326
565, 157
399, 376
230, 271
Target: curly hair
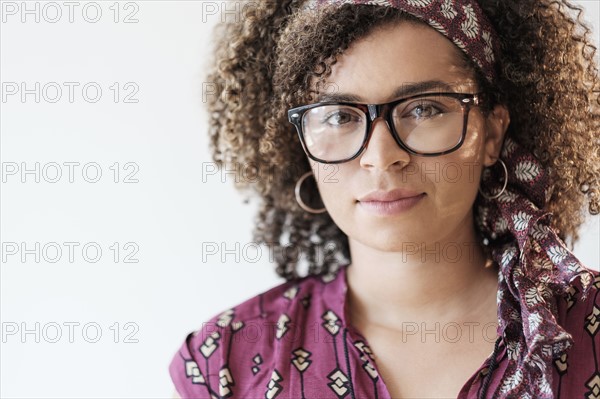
264, 64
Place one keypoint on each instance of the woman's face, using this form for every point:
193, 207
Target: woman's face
373, 69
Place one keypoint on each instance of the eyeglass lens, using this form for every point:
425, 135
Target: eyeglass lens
425, 124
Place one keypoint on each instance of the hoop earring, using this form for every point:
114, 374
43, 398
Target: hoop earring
299, 199
503, 188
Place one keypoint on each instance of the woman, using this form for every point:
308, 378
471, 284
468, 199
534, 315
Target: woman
453, 144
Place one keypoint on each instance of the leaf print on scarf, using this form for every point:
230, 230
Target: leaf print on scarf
533, 296
507, 197
501, 226
537, 361
508, 148
460, 44
488, 48
557, 253
534, 321
526, 171
508, 255
534, 263
544, 386
471, 26
419, 3
539, 231
435, 24
513, 348
521, 220
512, 382
447, 10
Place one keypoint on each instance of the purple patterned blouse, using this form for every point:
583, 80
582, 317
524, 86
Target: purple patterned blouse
293, 341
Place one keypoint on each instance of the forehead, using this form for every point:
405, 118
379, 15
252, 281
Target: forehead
376, 68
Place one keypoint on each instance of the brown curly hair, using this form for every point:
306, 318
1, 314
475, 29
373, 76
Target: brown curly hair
264, 64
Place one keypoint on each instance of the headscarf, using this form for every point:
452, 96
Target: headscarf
462, 22
535, 264
535, 267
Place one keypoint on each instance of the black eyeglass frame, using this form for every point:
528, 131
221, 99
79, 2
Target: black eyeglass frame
374, 111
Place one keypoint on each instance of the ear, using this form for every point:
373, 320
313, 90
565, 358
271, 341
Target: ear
496, 125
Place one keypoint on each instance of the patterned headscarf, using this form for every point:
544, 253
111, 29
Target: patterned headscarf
463, 22
535, 264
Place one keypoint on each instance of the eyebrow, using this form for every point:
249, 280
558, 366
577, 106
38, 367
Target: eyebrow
406, 90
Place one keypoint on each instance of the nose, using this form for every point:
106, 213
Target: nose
382, 149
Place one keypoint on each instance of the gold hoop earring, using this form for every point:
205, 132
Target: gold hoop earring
503, 187
299, 198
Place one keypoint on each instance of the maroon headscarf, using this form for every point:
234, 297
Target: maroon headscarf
462, 22
535, 264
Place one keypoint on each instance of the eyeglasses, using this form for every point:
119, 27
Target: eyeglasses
428, 124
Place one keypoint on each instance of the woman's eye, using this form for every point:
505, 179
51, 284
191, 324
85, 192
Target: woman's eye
424, 111
421, 109
339, 118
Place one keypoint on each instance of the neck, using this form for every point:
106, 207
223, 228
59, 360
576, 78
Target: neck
446, 281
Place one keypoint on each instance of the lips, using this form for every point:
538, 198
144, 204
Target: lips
389, 196
388, 203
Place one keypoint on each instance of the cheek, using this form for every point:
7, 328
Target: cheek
455, 177
330, 183
334, 186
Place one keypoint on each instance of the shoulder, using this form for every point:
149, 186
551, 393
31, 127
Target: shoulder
233, 338
580, 302
579, 315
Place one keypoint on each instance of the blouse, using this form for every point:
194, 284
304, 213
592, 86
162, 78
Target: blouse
294, 341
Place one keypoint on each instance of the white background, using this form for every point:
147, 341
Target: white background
167, 215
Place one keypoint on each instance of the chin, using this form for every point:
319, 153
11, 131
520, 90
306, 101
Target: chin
388, 241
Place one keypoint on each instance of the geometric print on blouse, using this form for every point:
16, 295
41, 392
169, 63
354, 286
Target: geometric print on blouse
340, 364
591, 327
